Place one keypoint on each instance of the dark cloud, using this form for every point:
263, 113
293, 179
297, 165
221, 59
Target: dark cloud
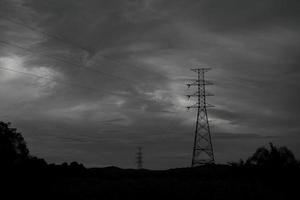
231, 136
236, 15
114, 76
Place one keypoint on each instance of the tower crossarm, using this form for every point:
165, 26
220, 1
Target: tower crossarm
201, 69
199, 83
199, 105
197, 93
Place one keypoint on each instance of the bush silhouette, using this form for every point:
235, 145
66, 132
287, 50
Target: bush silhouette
13, 149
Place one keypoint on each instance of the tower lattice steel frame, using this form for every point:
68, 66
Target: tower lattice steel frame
202, 150
139, 158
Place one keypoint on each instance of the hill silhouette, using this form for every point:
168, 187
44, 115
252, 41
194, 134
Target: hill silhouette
270, 173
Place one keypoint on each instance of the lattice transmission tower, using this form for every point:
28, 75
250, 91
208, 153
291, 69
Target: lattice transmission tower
202, 150
139, 158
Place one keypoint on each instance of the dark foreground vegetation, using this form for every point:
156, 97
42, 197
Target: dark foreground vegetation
270, 173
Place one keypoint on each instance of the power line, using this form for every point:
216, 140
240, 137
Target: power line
76, 45
166, 129
49, 78
64, 40
70, 83
53, 36
73, 44
68, 62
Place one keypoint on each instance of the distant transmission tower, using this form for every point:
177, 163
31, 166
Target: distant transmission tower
139, 158
202, 150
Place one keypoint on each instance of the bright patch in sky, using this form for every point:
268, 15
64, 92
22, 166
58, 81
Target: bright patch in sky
19, 82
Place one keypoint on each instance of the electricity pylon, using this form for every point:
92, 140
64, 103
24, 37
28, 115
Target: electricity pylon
202, 150
139, 158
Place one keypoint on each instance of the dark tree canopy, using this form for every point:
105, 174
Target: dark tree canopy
272, 157
13, 148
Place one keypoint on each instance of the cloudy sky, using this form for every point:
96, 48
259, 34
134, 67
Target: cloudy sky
92, 80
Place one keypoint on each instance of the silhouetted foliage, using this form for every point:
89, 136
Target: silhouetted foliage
13, 149
240, 163
272, 157
257, 178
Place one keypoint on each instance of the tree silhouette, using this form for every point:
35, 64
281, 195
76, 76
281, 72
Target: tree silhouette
273, 157
13, 149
